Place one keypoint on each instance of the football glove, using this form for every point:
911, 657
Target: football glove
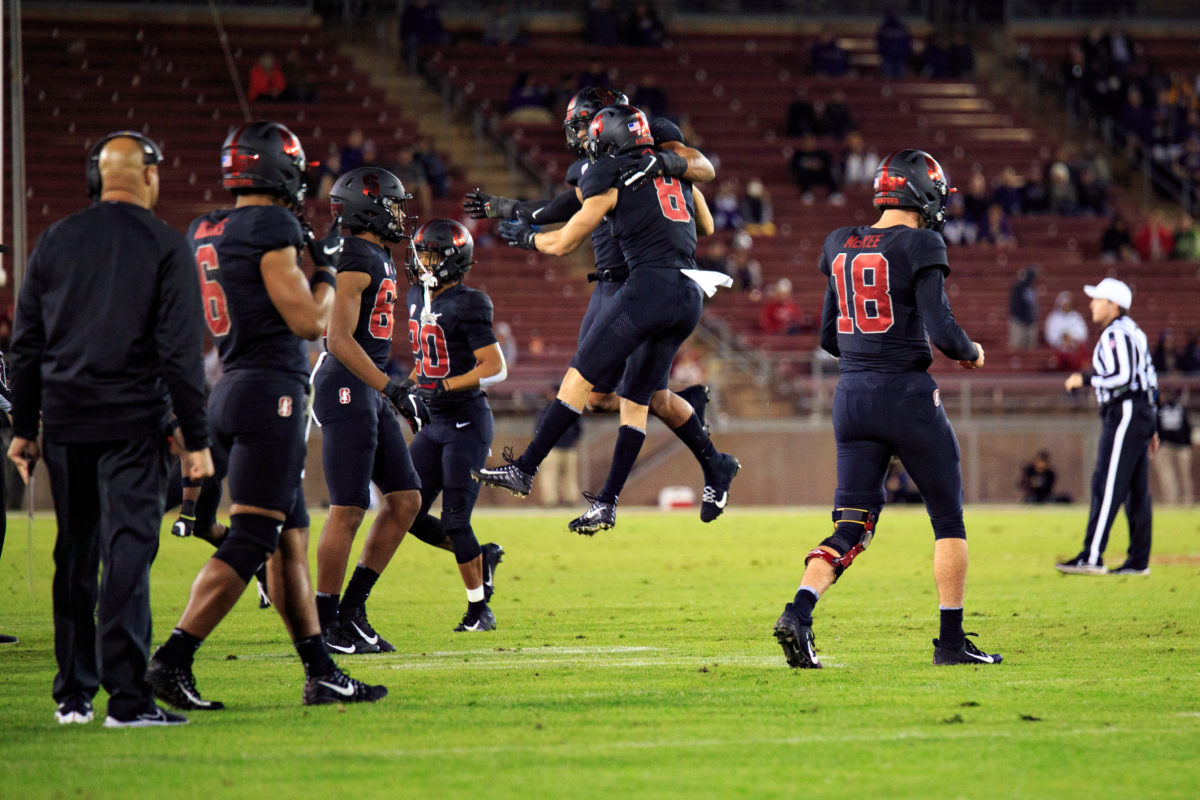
407, 403
518, 234
326, 252
645, 168
488, 206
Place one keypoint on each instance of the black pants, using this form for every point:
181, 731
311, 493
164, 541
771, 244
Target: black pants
1122, 476
108, 498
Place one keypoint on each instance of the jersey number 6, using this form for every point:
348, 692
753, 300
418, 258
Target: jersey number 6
215, 312
868, 281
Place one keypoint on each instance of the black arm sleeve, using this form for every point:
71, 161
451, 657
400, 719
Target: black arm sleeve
939, 319
829, 317
543, 212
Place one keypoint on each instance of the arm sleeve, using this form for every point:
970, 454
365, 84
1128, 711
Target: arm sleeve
829, 316
28, 345
935, 310
179, 333
545, 212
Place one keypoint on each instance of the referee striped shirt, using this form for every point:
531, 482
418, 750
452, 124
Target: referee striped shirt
1121, 363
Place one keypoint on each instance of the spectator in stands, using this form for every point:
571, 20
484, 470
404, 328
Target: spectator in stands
601, 25
962, 57
1064, 199
1035, 198
266, 79
858, 161
650, 97
507, 341
1023, 310
433, 166
643, 28
758, 215
420, 24
529, 100
504, 25
812, 167
1007, 192
828, 57
351, 155
1187, 239
780, 313
976, 199
747, 272
1037, 481
1189, 356
801, 115
935, 59
1137, 122
1065, 322
300, 81
958, 229
715, 257
726, 207
1093, 196
1166, 354
328, 171
1153, 239
595, 75
406, 167
370, 153
895, 46
1187, 167
835, 117
1173, 461
1116, 243
996, 228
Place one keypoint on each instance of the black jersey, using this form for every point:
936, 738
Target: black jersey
655, 225
877, 299
229, 245
376, 311
445, 337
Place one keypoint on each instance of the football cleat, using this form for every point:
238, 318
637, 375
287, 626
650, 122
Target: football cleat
1079, 565
182, 527
1125, 569
76, 709
697, 397
493, 554
716, 486
339, 640
338, 687
483, 620
154, 717
600, 516
966, 653
177, 686
796, 639
510, 476
355, 624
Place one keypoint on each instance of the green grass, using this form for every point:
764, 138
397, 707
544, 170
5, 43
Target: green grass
640, 663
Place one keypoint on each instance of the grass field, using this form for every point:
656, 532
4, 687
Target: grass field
640, 663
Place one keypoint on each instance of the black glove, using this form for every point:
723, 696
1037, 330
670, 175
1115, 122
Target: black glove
407, 403
517, 234
644, 168
488, 206
325, 252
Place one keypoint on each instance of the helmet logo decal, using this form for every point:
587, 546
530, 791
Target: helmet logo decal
370, 184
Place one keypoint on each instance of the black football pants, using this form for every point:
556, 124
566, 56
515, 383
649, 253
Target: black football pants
1122, 476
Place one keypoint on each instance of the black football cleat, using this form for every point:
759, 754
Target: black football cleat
600, 516
509, 476
177, 686
796, 639
74, 710
338, 687
483, 620
154, 717
966, 653
355, 624
493, 554
1080, 565
340, 641
1128, 569
697, 397
716, 486
182, 527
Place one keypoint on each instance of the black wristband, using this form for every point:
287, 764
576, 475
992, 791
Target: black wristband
322, 275
674, 165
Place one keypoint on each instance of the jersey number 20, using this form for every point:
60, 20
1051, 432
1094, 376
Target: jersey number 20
429, 345
867, 281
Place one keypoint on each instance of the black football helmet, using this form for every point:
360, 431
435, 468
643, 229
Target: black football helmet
371, 199
151, 154
265, 157
452, 243
617, 129
583, 106
913, 179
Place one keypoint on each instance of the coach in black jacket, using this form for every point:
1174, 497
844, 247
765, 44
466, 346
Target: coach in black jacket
107, 341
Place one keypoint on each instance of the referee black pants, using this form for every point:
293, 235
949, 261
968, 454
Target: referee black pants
1122, 476
108, 498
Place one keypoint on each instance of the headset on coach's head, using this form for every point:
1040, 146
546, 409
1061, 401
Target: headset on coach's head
151, 155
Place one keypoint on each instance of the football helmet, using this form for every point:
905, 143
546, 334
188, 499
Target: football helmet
913, 179
265, 157
583, 106
453, 246
151, 154
371, 199
617, 129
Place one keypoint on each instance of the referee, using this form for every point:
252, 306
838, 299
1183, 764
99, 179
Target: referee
1126, 387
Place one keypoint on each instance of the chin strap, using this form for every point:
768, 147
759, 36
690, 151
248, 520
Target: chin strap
840, 564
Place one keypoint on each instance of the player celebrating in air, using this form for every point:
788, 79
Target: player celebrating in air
356, 404
884, 291
456, 357
260, 309
673, 159
641, 328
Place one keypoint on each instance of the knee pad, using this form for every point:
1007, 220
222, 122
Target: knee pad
855, 527
466, 546
429, 530
250, 542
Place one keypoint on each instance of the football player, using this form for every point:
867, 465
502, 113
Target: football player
884, 292
673, 159
456, 357
639, 331
356, 404
260, 310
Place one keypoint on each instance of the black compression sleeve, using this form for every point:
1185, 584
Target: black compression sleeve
935, 310
545, 212
829, 316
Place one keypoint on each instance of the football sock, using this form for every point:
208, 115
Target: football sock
179, 650
555, 422
629, 444
475, 595
475, 607
327, 609
187, 509
951, 634
359, 588
692, 434
805, 602
314, 656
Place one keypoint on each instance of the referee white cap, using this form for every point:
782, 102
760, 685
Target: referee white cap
1111, 289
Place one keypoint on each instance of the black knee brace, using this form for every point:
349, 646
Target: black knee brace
855, 527
429, 530
250, 542
466, 546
